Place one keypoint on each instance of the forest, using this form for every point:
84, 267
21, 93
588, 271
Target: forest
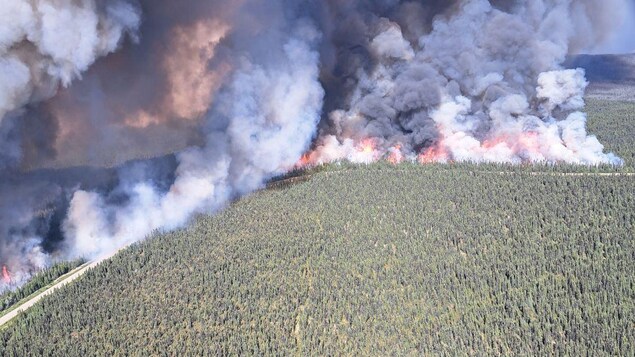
317, 178
40, 280
377, 259
613, 122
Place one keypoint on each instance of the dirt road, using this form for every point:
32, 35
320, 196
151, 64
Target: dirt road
74, 276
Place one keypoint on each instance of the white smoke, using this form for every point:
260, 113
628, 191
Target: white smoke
45, 44
268, 116
28, 253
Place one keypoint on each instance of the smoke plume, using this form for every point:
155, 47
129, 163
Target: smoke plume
483, 85
119, 118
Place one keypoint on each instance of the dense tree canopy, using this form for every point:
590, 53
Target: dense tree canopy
368, 260
374, 260
9, 298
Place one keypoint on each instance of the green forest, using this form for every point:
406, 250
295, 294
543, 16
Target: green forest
343, 259
369, 260
613, 122
37, 282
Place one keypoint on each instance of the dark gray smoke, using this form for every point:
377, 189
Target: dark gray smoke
482, 82
179, 107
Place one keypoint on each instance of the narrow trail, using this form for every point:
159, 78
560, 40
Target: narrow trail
67, 280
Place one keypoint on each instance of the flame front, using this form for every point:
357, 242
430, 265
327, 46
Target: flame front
436, 153
367, 146
395, 155
524, 142
6, 277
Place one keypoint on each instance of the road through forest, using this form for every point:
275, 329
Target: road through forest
67, 280
82, 270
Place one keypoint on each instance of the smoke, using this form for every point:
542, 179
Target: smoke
120, 118
263, 106
45, 43
485, 84
622, 40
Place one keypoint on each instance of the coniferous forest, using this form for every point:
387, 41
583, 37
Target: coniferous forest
377, 260
453, 259
317, 178
9, 298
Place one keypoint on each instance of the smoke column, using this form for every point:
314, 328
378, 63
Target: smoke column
119, 118
483, 85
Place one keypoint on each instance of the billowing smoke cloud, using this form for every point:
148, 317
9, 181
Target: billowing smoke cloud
47, 43
485, 84
195, 103
264, 120
44, 44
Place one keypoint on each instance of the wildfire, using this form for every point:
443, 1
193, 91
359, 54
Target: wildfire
365, 151
493, 142
305, 161
436, 153
395, 155
530, 142
367, 146
6, 277
527, 142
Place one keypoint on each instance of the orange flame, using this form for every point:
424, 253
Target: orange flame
304, 161
493, 142
523, 142
6, 277
367, 146
395, 156
436, 153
